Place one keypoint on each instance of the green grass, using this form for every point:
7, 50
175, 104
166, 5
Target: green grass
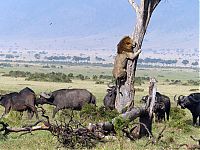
44, 139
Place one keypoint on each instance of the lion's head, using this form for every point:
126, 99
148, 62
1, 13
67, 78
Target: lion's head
126, 44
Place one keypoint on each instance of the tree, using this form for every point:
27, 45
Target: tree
195, 63
185, 62
143, 15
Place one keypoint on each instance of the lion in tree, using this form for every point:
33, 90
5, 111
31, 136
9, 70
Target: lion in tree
124, 52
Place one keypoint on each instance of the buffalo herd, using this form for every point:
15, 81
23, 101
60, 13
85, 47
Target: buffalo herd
162, 106
75, 99
63, 98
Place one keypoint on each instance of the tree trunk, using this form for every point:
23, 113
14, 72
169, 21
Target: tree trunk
125, 101
145, 113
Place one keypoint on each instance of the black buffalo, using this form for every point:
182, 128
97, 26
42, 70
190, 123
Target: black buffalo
22, 101
162, 106
109, 99
159, 110
67, 98
191, 102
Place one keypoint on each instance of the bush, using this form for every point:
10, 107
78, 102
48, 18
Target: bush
70, 75
167, 80
80, 76
99, 82
194, 90
192, 82
18, 74
94, 113
105, 77
178, 119
89, 111
94, 77
107, 114
175, 82
14, 118
49, 77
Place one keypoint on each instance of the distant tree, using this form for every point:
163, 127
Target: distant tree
37, 56
53, 66
185, 62
99, 58
195, 64
9, 56
80, 76
95, 77
70, 75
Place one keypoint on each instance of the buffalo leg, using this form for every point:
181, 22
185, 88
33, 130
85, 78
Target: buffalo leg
167, 114
21, 113
30, 113
55, 111
194, 119
36, 113
199, 120
7, 110
164, 116
34, 110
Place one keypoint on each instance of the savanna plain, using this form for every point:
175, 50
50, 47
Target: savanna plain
171, 81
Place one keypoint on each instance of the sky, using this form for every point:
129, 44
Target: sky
95, 24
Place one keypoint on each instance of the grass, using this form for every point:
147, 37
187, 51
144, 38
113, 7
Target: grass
44, 140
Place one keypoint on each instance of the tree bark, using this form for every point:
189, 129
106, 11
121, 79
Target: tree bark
125, 101
145, 113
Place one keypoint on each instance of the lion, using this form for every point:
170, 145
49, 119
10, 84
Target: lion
124, 52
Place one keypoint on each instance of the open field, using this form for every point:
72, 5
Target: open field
44, 140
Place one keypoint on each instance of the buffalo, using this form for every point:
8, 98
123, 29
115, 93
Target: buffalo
192, 103
67, 98
162, 106
22, 101
109, 99
159, 110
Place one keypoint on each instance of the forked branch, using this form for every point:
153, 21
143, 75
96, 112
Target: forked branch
135, 6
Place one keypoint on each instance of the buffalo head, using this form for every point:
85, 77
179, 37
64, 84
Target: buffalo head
185, 101
144, 99
44, 98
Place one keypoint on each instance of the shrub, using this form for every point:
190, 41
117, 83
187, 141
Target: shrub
17, 74
94, 113
50, 77
107, 114
178, 119
80, 76
99, 82
194, 90
167, 80
105, 77
13, 118
70, 75
192, 82
94, 77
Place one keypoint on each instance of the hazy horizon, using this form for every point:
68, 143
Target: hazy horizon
66, 25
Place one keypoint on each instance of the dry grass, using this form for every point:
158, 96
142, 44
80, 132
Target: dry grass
44, 140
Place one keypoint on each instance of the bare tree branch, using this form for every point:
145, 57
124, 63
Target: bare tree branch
197, 140
156, 2
152, 95
135, 6
8, 129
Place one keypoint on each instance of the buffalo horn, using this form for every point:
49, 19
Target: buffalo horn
194, 100
45, 95
175, 98
109, 85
